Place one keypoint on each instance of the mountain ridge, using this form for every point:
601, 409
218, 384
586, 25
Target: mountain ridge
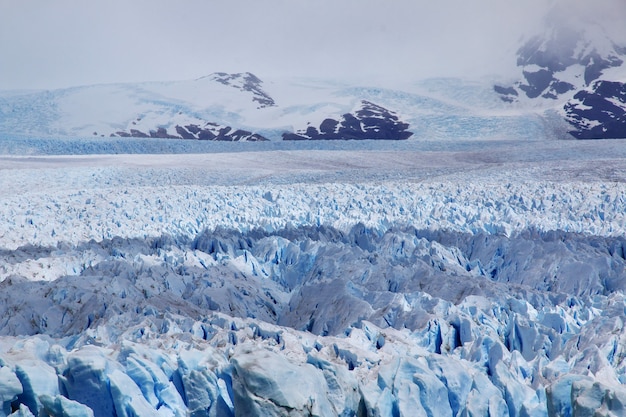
220, 106
430, 109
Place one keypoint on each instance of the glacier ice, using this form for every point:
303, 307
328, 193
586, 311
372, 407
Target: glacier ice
10, 388
61, 406
265, 383
37, 379
470, 293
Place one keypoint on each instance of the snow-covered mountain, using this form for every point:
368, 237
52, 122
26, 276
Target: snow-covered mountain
575, 67
232, 107
570, 81
242, 107
236, 107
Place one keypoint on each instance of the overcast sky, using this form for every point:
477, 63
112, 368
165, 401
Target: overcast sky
60, 43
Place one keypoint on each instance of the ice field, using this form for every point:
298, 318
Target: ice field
417, 278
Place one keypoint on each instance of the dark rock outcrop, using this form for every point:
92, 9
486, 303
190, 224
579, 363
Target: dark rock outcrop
371, 121
568, 64
245, 82
598, 112
543, 59
210, 131
508, 94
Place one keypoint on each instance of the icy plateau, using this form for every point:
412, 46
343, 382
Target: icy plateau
372, 281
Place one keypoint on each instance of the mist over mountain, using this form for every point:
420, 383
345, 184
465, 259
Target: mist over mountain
49, 46
563, 77
567, 81
575, 65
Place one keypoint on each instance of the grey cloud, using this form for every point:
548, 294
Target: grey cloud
63, 43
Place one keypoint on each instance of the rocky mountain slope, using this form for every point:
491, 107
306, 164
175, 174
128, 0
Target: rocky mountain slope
578, 68
370, 121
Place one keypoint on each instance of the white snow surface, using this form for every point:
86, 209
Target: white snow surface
435, 108
420, 280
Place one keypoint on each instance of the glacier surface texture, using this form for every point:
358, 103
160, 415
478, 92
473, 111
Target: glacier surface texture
373, 281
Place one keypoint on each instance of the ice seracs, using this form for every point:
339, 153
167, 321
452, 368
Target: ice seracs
491, 288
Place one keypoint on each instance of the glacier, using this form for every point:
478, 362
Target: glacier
420, 279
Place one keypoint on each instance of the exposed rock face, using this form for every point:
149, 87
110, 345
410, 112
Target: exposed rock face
371, 121
561, 61
508, 94
573, 63
245, 82
599, 111
210, 131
